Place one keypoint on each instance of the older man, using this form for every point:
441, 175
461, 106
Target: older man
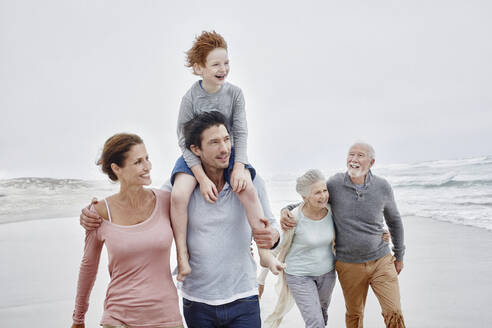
221, 289
361, 202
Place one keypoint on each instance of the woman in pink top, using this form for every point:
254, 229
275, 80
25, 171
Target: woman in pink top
138, 236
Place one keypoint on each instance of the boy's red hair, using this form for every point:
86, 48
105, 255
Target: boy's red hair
204, 43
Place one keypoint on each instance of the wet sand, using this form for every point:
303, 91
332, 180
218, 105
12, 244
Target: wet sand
445, 283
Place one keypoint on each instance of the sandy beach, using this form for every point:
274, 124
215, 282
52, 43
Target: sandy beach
445, 282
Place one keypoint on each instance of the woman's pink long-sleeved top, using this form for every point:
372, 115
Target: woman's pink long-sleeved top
141, 292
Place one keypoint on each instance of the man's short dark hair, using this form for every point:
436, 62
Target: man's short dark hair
192, 130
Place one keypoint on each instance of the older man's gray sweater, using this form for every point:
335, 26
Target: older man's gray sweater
359, 216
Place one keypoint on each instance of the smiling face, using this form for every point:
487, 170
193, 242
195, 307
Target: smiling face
215, 70
318, 195
359, 161
215, 148
136, 167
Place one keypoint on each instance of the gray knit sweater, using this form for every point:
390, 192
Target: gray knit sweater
358, 218
229, 100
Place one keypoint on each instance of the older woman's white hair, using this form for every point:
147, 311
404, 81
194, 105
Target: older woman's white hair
305, 181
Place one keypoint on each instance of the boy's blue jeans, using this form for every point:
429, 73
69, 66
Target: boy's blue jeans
242, 313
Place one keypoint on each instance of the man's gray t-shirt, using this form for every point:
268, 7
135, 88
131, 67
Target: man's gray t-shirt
219, 239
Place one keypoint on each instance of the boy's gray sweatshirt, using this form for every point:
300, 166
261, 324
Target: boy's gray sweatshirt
359, 217
229, 101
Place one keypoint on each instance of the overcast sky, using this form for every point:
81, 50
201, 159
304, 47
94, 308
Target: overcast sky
414, 78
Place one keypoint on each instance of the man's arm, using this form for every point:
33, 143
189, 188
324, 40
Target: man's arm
395, 226
269, 236
287, 221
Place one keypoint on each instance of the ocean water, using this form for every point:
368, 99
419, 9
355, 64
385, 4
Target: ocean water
24, 199
457, 191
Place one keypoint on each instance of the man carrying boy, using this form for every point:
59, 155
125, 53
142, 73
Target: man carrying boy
208, 57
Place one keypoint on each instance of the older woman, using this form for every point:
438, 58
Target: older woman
310, 273
137, 233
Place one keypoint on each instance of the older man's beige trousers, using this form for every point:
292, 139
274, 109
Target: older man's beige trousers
355, 279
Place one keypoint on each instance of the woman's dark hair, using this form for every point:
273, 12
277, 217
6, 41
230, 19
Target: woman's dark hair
192, 130
115, 151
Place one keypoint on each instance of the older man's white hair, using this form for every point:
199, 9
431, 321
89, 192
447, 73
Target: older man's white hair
305, 181
370, 150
